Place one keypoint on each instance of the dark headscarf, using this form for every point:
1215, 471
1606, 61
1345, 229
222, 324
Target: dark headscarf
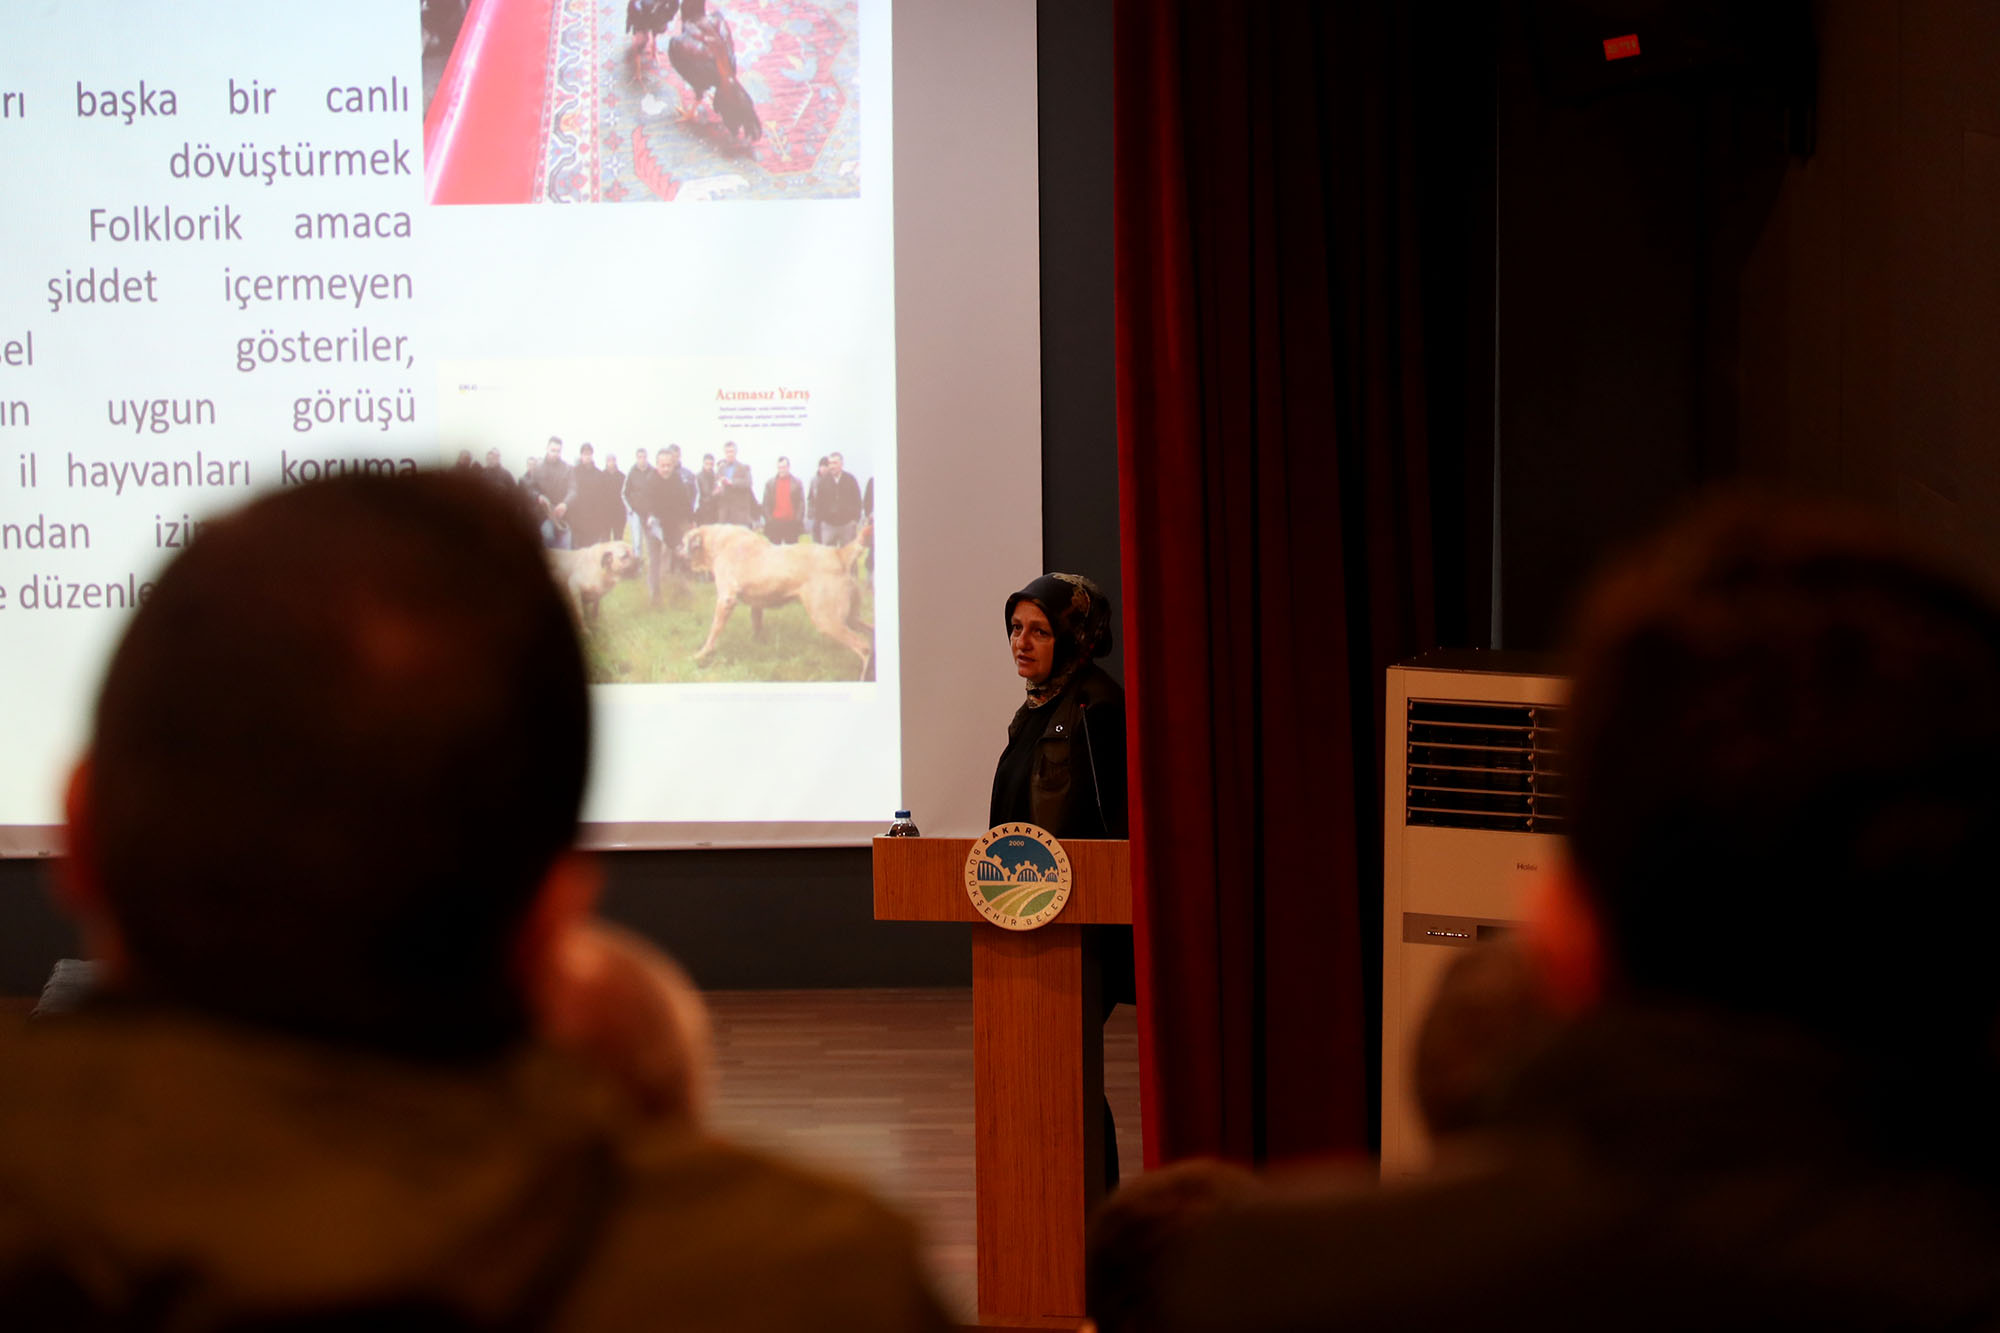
1080, 617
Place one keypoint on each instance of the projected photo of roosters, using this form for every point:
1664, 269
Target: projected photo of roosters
620, 101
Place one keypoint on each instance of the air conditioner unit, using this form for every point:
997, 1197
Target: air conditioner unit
1474, 813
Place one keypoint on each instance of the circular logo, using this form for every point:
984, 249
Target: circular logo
1017, 876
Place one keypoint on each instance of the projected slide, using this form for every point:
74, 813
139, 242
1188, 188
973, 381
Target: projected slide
246, 246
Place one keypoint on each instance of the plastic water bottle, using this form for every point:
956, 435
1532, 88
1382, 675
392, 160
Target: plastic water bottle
904, 827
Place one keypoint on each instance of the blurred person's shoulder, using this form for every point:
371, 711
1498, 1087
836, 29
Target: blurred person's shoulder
270, 1173
1654, 1171
729, 1237
1336, 1248
107, 1108
132, 1138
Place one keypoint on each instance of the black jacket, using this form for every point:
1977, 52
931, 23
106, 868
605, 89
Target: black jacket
553, 480
663, 497
1077, 780
835, 501
1656, 1171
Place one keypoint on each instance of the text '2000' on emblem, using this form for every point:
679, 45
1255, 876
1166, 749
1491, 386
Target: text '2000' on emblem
1018, 876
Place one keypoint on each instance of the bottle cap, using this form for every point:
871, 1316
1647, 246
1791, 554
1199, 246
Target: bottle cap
902, 814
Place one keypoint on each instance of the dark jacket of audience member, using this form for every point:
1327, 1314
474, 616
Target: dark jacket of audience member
1135, 1230
1775, 1109
321, 842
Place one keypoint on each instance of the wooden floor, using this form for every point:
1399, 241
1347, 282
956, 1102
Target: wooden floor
877, 1085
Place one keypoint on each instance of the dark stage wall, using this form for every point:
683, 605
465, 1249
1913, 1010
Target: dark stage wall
1870, 300
1622, 209
1682, 300
802, 918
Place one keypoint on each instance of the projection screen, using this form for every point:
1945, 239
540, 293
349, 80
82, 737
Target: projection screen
250, 245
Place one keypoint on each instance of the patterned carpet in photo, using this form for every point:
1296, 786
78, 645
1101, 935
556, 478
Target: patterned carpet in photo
616, 128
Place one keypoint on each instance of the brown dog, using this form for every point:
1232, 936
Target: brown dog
589, 574
749, 569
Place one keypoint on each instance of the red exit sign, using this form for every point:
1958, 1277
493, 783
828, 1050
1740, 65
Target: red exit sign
1621, 48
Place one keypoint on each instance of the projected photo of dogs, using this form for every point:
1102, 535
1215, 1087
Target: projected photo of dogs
694, 540
748, 570
644, 100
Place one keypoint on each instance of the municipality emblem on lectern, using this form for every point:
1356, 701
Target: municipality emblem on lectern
1018, 876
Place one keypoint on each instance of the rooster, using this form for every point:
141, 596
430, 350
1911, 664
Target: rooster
703, 52
738, 112
647, 19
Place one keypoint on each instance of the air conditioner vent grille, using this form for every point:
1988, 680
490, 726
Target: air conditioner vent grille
1484, 766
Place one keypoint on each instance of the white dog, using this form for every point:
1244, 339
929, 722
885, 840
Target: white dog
750, 569
587, 575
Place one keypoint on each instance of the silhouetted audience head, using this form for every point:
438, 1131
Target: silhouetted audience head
1135, 1230
628, 1010
333, 761
1783, 739
1487, 1021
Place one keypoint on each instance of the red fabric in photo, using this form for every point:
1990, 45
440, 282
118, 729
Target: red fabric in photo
483, 133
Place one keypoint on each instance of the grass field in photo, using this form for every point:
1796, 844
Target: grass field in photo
633, 643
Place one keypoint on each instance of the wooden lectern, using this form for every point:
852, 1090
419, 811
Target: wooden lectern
1038, 1067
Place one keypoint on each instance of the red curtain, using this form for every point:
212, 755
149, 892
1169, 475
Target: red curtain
1277, 514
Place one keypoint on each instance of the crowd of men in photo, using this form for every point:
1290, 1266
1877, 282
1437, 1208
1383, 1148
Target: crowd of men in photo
654, 503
